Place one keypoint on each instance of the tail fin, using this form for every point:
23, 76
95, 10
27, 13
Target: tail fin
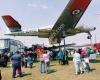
12, 24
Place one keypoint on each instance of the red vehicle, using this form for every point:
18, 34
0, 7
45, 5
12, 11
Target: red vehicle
96, 46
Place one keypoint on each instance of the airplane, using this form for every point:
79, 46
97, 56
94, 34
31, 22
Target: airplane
65, 25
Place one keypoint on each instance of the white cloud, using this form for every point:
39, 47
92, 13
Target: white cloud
37, 6
98, 13
44, 7
32, 5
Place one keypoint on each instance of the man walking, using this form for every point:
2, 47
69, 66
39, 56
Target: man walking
16, 64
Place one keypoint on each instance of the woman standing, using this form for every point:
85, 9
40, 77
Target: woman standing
46, 58
60, 57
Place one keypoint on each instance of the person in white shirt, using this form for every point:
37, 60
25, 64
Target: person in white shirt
77, 62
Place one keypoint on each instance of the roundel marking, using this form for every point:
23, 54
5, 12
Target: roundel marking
75, 12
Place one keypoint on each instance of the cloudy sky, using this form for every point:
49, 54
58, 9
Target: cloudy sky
33, 14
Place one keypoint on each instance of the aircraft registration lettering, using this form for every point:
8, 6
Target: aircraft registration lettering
54, 33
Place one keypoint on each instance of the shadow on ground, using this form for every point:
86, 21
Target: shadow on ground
26, 74
52, 71
93, 69
94, 61
52, 64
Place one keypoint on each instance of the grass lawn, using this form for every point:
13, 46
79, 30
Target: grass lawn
58, 72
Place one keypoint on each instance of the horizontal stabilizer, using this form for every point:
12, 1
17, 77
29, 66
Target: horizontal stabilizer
12, 24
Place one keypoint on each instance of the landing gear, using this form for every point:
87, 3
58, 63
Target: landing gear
90, 37
65, 55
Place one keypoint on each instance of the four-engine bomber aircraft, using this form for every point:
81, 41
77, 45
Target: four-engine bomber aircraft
64, 26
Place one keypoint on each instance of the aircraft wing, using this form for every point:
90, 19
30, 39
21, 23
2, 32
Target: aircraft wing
68, 19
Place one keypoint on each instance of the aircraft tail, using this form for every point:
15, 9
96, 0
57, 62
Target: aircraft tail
11, 23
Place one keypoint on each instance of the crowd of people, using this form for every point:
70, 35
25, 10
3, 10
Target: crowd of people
62, 56
81, 60
19, 60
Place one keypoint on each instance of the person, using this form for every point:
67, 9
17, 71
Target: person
35, 56
46, 58
85, 60
16, 64
25, 60
88, 51
66, 60
98, 53
30, 61
6, 58
42, 63
77, 62
60, 57
65, 56
0, 75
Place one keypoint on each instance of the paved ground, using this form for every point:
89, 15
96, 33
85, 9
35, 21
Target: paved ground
58, 72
